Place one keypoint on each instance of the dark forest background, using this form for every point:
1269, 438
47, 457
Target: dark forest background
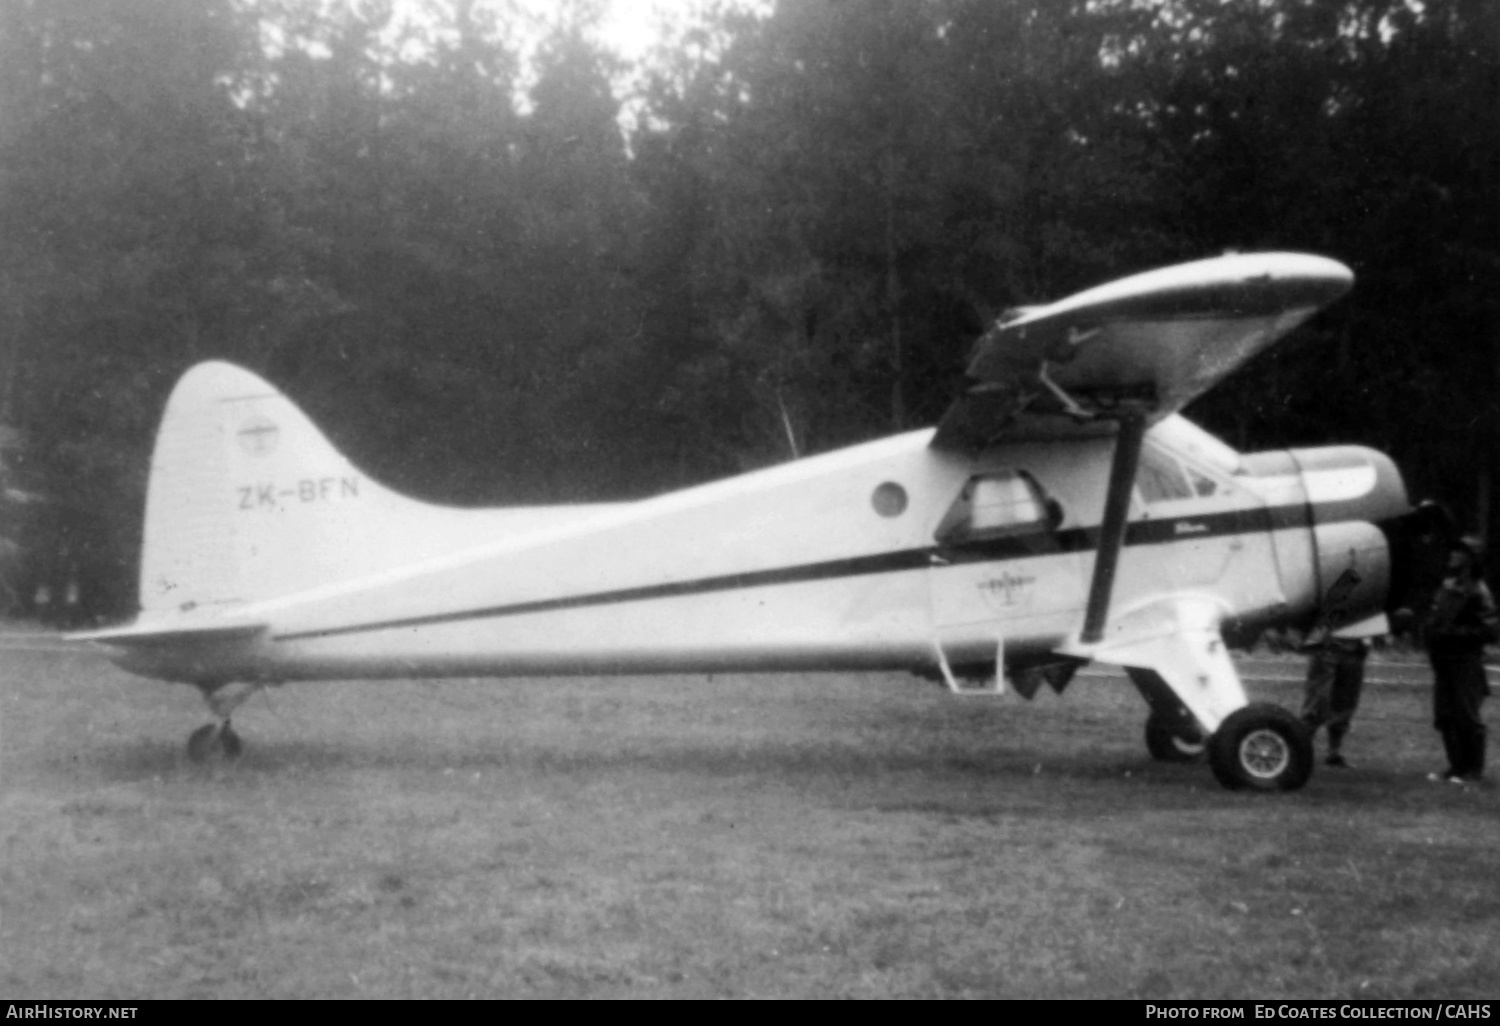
440, 241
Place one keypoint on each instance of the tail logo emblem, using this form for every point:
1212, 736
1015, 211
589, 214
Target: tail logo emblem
258, 436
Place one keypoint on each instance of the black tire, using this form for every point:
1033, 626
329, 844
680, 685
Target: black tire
201, 742
1261, 747
1172, 739
214, 739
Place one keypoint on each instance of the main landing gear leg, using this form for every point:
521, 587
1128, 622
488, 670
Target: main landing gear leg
219, 738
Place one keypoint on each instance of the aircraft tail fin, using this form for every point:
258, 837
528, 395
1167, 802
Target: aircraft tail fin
247, 500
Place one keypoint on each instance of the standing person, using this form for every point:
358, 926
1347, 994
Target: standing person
1461, 622
1335, 677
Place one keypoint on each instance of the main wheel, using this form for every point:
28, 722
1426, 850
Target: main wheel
1261, 747
1173, 739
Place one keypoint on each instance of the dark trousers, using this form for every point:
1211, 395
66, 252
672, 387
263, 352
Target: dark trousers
1334, 679
1459, 688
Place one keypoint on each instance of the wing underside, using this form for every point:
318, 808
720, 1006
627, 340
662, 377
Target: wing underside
1151, 342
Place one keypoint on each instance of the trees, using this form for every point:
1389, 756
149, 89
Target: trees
124, 229
436, 235
871, 181
1363, 129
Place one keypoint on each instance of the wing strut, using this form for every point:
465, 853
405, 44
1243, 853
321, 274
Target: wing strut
1116, 511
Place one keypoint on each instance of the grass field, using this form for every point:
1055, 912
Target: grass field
781, 836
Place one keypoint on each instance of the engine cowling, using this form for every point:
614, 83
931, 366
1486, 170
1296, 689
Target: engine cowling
1337, 570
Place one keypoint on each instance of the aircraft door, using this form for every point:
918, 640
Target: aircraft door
1001, 574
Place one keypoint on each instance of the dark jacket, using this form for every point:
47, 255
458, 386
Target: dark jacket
1462, 620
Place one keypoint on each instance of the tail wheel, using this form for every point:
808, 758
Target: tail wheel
1173, 739
1261, 747
201, 742
214, 739
230, 741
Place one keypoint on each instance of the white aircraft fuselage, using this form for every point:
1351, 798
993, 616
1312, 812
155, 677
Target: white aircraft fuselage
268, 557
807, 566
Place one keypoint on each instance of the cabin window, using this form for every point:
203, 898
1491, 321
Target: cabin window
889, 499
1160, 477
1203, 485
997, 505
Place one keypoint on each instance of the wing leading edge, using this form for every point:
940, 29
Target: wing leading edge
1152, 341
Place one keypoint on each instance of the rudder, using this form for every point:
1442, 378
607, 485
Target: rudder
247, 500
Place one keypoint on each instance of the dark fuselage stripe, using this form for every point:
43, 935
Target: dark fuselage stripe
988, 550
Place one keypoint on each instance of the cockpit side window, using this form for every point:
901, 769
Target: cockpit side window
1161, 479
1203, 485
1001, 504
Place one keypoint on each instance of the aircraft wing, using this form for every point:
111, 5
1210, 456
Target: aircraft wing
1153, 340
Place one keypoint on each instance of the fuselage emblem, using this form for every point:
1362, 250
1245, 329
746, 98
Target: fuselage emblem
258, 436
1007, 589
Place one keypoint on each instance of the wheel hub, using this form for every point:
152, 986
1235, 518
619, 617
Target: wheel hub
1265, 754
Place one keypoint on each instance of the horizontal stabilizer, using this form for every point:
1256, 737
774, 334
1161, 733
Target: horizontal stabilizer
145, 634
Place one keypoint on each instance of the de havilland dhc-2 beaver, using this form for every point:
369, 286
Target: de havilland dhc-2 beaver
1063, 511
